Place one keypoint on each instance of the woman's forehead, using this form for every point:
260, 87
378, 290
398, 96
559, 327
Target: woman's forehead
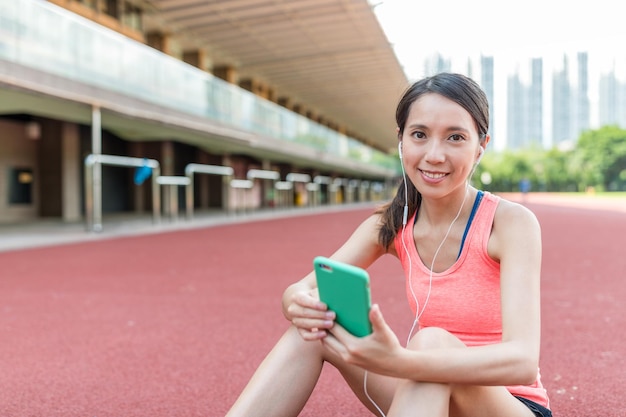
436, 109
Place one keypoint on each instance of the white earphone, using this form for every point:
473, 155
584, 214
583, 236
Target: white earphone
481, 152
400, 149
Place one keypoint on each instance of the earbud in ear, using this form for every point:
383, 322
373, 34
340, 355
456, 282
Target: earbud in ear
400, 149
481, 152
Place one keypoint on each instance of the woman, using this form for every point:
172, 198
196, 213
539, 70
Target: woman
472, 263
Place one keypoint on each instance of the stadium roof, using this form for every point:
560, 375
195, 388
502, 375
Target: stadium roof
332, 56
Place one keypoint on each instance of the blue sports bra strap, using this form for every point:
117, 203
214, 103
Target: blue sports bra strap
479, 197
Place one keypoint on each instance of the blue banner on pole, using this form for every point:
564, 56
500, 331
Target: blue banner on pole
142, 173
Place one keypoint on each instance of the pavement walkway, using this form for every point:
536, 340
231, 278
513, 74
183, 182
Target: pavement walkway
46, 232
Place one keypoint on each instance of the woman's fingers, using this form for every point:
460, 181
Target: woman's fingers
313, 334
310, 316
312, 323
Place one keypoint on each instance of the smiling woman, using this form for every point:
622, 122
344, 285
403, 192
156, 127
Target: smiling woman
439, 143
472, 263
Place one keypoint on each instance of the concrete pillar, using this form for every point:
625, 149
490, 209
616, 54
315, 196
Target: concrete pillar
226, 203
227, 73
160, 41
297, 108
167, 168
198, 58
267, 186
286, 102
272, 95
70, 172
202, 182
167, 158
49, 167
258, 88
310, 114
247, 84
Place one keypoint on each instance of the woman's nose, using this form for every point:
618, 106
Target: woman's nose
434, 153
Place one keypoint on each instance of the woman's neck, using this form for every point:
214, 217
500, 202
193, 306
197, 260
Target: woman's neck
444, 210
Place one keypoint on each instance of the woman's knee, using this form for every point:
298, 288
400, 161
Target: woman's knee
292, 341
433, 338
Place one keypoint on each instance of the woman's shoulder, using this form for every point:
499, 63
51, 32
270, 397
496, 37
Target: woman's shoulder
513, 225
513, 219
511, 211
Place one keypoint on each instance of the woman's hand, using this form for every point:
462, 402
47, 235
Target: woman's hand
300, 302
373, 352
309, 315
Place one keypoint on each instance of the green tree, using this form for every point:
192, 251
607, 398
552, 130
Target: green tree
558, 171
601, 157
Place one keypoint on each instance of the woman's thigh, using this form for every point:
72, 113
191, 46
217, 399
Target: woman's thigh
479, 401
377, 391
470, 400
373, 390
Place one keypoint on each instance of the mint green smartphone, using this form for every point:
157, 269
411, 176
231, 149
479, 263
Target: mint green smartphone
346, 290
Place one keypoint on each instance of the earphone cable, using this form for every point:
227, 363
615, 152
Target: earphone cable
418, 313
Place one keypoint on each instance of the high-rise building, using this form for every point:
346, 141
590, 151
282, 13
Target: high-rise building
571, 113
535, 103
437, 64
612, 100
609, 99
487, 83
561, 105
581, 120
542, 112
525, 108
517, 113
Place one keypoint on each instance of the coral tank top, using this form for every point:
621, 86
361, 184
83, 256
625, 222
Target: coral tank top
464, 299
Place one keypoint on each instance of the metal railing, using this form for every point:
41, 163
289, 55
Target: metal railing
191, 170
93, 186
173, 182
296, 177
285, 190
242, 187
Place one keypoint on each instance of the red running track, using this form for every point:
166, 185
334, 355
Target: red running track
174, 324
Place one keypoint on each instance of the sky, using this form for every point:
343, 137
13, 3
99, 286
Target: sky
511, 32
500, 28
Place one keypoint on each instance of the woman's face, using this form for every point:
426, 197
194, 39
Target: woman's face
440, 145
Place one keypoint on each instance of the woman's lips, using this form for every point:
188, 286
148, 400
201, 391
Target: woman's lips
433, 177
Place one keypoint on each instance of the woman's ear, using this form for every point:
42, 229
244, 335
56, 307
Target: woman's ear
485, 141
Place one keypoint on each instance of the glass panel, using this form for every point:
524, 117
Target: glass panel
81, 50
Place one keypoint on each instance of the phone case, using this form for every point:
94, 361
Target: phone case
346, 290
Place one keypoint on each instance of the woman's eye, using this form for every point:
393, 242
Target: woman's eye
457, 138
419, 135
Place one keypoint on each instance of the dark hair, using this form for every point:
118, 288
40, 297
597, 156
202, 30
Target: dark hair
456, 87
